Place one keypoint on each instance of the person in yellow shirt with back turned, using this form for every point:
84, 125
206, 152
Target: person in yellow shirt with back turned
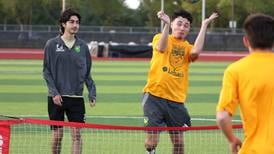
249, 83
167, 83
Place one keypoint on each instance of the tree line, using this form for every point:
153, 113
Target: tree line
115, 13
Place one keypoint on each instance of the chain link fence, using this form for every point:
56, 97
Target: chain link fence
110, 29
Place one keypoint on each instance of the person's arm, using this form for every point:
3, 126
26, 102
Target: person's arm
225, 124
162, 42
227, 105
89, 81
47, 74
199, 42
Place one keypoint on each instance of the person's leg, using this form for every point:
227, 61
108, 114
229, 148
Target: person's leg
76, 113
177, 142
153, 117
151, 142
76, 141
177, 116
56, 144
56, 113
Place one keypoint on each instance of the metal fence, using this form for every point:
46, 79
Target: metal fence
108, 29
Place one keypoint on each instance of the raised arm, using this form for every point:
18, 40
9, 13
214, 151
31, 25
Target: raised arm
199, 42
162, 43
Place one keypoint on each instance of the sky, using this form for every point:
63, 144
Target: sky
133, 4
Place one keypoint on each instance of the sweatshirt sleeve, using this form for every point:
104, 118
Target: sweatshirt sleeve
88, 79
47, 74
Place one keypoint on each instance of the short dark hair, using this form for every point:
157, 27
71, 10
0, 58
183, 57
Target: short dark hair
65, 16
259, 29
182, 13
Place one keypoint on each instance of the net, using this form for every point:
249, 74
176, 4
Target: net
32, 136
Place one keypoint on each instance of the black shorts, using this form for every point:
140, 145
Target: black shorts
74, 108
163, 112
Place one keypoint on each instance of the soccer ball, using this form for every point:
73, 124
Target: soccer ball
192, 1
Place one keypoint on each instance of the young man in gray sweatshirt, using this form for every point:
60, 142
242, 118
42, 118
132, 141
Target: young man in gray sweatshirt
67, 66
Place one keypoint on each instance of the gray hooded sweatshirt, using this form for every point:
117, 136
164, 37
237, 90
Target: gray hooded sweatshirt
66, 70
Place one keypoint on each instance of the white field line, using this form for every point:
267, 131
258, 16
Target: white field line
119, 117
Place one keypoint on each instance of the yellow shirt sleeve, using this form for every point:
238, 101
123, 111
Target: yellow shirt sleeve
228, 100
155, 40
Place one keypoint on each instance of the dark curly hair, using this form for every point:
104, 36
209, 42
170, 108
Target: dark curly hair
65, 16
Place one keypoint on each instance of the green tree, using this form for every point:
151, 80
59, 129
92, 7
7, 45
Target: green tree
114, 13
242, 8
18, 12
107, 13
151, 7
30, 11
46, 12
3, 13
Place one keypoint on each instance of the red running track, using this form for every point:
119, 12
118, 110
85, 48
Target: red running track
6, 53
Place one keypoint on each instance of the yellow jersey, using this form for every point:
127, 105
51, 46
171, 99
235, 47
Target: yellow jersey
168, 73
249, 82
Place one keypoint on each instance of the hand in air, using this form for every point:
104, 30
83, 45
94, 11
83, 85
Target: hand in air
164, 17
213, 16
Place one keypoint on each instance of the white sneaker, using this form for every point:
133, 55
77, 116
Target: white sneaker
151, 152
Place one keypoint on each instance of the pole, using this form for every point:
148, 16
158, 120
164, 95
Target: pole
232, 17
203, 9
162, 9
232, 10
63, 5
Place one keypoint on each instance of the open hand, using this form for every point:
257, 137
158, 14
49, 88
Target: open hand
213, 16
164, 17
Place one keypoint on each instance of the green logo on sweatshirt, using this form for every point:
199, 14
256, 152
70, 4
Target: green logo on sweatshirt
77, 49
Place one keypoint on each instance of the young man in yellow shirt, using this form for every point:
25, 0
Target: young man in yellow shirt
167, 83
249, 83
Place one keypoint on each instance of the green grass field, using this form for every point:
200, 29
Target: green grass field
119, 84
